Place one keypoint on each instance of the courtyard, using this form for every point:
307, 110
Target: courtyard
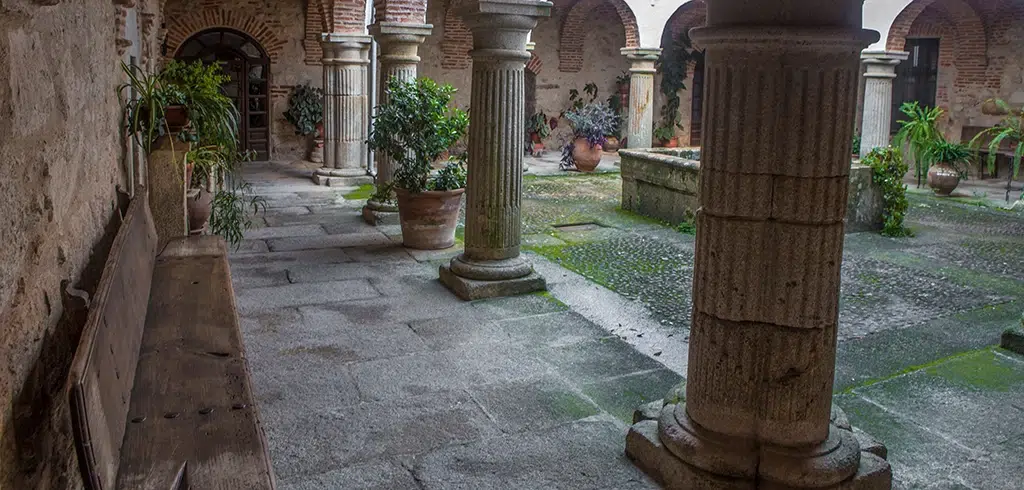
369, 373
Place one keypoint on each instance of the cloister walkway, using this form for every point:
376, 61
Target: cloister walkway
370, 374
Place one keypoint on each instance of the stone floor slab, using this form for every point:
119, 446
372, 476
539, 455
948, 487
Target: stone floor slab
284, 259
621, 396
326, 241
408, 376
382, 474
284, 231
527, 405
597, 360
267, 298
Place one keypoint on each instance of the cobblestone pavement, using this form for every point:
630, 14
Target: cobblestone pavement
369, 374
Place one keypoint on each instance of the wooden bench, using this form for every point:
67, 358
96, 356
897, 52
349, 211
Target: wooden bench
159, 388
1003, 156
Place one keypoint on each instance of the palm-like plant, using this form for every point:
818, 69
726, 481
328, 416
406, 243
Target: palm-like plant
197, 86
143, 99
1011, 130
918, 133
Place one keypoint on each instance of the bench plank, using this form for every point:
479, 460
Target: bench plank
103, 370
193, 401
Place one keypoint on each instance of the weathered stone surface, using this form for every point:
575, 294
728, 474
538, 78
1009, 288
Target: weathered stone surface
661, 184
326, 241
470, 289
1013, 338
383, 474
622, 395
529, 405
256, 299
865, 202
284, 231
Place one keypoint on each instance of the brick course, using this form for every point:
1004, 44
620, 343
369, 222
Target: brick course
575, 26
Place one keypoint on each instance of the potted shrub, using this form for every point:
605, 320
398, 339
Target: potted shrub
1010, 130
213, 117
414, 127
590, 124
917, 134
949, 164
538, 128
306, 113
666, 137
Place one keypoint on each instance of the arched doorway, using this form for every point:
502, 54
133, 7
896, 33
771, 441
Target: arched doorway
247, 63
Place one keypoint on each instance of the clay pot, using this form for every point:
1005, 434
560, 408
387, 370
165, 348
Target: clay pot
429, 218
943, 179
587, 157
535, 138
672, 142
200, 205
316, 155
612, 144
177, 117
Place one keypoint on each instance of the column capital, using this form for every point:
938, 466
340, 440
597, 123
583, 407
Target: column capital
642, 60
882, 64
346, 49
501, 28
385, 32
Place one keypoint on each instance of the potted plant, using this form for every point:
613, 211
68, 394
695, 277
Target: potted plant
917, 134
949, 164
665, 135
144, 104
306, 113
204, 165
1010, 130
538, 128
590, 124
213, 117
414, 127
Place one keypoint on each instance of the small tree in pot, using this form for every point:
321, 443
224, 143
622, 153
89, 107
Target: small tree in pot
590, 125
413, 128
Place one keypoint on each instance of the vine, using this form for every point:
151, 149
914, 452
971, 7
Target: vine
889, 169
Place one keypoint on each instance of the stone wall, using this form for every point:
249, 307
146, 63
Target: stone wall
664, 184
60, 163
281, 27
445, 57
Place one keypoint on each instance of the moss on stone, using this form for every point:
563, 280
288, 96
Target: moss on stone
362, 193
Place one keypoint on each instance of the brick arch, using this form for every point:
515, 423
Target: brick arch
689, 15
970, 42
574, 29
181, 28
535, 64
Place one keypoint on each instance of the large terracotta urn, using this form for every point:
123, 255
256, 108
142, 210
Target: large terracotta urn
586, 157
429, 218
943, 179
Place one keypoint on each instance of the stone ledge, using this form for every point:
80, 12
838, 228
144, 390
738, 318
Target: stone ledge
374, 217
469, 289
334, 181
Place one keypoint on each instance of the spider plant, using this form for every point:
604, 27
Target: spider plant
917, 134
143, 100
956, 155
197, 86
233, 210
1011, 130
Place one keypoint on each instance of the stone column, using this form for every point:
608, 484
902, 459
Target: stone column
880, 71
398, 46
757, 410
346, 119
640, 133
491, 265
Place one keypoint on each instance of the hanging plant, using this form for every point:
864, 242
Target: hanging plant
305, 109
889, 168
674, 65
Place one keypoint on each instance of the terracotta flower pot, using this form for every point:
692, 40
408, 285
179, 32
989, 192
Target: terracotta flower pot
200, 206
429, 218
177, 117
587, 157
943, 179
672, 142
612, 144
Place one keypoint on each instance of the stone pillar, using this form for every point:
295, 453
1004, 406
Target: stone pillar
757, 410
491, 265
880, 71
346, 118
167, 188
398, 46
640, 133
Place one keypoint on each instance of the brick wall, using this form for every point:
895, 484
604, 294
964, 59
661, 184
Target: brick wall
456, 41
579, 20
408, 11
286, 33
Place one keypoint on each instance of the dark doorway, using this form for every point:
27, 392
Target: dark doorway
697, 109
917, 78
246, 62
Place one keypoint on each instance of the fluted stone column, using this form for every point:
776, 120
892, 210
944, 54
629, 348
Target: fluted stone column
492, 265
346, 117
640, 132
398, 46
757, 410
880, 71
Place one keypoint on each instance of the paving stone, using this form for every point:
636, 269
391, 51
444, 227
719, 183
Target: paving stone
306, 378
552, 329
622, 396
435, 255
395, 272
254, 277
285, 259
249, 247
597, 360
460, 330
256, 299
518, 406
485, 364
519, 306
381, 253
326, 241
308, 443
408, 376
288, 211
381, 474
581, 455
284, 231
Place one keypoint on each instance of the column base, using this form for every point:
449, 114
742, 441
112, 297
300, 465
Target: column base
645, 447
341, 177
377, 214
473, 289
